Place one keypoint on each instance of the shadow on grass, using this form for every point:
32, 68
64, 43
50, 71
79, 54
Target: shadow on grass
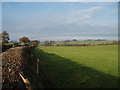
64, 73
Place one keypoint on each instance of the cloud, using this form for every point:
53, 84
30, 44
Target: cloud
92, 9
82, 16
73, 0
24, 5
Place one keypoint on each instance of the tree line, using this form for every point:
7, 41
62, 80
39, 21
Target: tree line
5, 40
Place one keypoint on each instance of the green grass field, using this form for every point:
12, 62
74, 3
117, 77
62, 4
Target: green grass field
79, 67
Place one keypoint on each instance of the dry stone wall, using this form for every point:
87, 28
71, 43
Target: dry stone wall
14, 61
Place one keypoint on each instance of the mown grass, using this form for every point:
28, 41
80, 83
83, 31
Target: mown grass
79, 67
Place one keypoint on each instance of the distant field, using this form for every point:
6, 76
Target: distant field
80, 42
86, 42
79, 67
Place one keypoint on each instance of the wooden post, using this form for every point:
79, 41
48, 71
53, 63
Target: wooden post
38, 66
26, 81
32, 55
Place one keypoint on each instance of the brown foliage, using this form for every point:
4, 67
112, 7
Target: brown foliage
24, 39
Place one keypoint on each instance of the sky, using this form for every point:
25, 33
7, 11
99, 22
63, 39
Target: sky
60, 0
60, 20
0, 17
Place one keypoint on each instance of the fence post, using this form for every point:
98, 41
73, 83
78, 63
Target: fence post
38, 66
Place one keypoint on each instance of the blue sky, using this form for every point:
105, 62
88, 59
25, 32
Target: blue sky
0, 17
60, 20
